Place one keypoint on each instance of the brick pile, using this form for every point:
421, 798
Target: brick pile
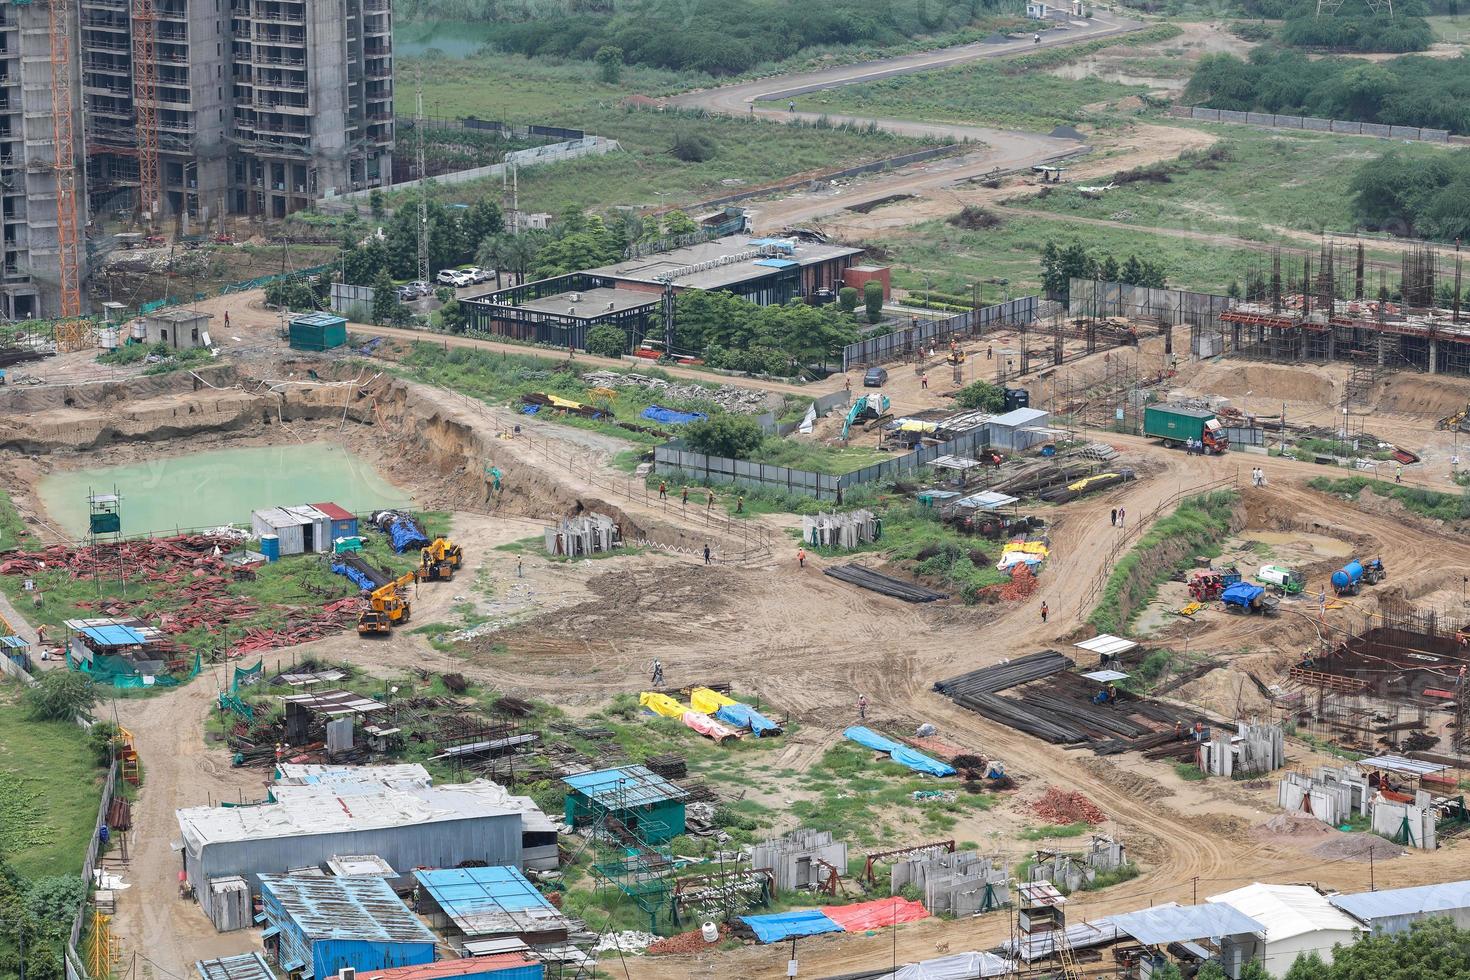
1061, 806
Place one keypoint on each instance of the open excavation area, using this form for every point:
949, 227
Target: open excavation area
1040, 652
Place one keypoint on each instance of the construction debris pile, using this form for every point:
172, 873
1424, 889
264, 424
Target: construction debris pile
191, 574
1054, 703
1064, 807
742, 401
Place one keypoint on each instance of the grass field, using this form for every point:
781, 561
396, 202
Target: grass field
1015, 92
644, 173
1270, 180
950, 258
49, 788
1451, 29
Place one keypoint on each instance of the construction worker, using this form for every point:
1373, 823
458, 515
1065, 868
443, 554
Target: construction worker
862, 706
924, 380
847, 384
1398, 474
989, 352
740, 504
663, 490
518, 566
1115, 517
710, 500
1037, 38
227, 319
658, 673
800, 557
706, 554
684, 498
1122, 517
1044, 610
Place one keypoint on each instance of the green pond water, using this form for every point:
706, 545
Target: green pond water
220, 487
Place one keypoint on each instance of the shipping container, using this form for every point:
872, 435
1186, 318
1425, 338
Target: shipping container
318, 332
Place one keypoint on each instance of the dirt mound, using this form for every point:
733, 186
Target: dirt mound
1225, 691
1292, 827
1406, 394
1267, 381
1061, 806
1358, 847
1143, 788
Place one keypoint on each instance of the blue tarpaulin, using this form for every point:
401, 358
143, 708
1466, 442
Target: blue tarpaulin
902, 754
744, 716
405, 535
1241, 594
362, 581
784, 925
530, 409
657, 413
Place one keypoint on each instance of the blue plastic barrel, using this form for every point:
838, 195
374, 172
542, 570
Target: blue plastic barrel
270, 546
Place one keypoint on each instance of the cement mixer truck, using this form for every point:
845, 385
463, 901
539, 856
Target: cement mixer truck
1349, 579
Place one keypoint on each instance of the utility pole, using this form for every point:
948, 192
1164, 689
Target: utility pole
1283, 428
418, 140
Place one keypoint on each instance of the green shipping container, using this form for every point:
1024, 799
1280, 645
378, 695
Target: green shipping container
318, 331
1175, 423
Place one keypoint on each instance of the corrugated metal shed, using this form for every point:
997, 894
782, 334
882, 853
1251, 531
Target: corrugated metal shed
113, 636
344, 524
246, 966
336, 703
625, 786
1014, 429
308, 774
317, 529
1173, 923
1106, 644
502, 966
491, 901
345, 908
1286, 910
1397, 763
1395, 910
284, 525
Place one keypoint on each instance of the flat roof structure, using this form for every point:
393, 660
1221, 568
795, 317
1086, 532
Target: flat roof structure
1285, 911
469, 966
1371, 908
1019, 417
336, 703
1106, 676
987, 500
1397, 763
246, 966
362, 909
591, 304
360, 865
113, 636
722, 262
1107, 645
403, 773
491, 901
1174, 923
178, 315
625, 787
335, 512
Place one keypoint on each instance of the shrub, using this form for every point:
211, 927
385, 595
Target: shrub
847, 299
693, 148
607, 340
61, 695
975, 218
873, 300
981, 395
733, 436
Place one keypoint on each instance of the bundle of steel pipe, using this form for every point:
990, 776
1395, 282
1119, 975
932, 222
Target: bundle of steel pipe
866, 578
998, 677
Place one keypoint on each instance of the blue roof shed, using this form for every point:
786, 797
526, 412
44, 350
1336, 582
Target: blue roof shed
113, 636
1394, 910
644, 802
492, 902
317, 926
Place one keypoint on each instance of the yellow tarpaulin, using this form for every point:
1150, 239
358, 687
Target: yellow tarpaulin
559, 402
916, 426
708, 701
662, 704
1027, 548
1082, 484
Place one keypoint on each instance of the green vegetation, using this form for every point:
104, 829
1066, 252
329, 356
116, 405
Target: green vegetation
164, 358
1249, 186
1052, 831
1014, 92
1408, 194
1106, 879
48, 790
953, 259
1408, 91
13, 530
981, 395
1432, 504
61, 695
817, 457
1433, 949
711, 37
1197, 527
1188, 772
739, 335
1060, 264
871, 802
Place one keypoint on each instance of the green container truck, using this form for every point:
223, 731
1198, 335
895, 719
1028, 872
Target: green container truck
318, 331
1175, 424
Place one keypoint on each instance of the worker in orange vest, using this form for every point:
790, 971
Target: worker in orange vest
800, 557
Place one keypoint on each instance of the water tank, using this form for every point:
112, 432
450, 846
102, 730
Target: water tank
710, 932
107, 338
140, 332
1348, 575
1017, 398
270, 546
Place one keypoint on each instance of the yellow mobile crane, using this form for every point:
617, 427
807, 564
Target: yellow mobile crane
440, 560
386, 608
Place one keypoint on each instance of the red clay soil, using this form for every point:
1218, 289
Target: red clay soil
685, 942
1061, 806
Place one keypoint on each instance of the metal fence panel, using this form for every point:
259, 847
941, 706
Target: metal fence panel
891, 346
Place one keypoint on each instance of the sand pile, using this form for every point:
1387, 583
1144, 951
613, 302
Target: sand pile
1292, 827
1358, 847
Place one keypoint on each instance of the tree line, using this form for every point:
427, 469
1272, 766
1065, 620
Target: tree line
1061, 262
1407, 91
1417, 196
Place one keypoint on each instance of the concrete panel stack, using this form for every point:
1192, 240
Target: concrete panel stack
1105, 854
1330, 794
845, 531
961, 884
1253, 750
796, 859
585, 534
1410, 824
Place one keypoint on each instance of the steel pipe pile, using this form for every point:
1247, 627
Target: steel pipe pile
866, 578
998, 677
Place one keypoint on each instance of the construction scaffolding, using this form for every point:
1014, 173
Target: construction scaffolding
69, 258
627, 860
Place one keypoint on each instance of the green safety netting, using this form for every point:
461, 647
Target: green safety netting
246, 675
118, 672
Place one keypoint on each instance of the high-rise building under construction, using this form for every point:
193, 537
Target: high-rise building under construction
177, 112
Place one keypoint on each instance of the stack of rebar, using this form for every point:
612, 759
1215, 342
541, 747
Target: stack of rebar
998, 677
866, 578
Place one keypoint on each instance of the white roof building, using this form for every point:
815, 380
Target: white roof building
1298, 920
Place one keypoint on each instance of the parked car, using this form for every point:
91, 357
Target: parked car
421, 287
407, 294
478, 275
446, 277
463, 279
875, 378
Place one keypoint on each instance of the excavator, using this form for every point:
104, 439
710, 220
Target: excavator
440, 560
386, 608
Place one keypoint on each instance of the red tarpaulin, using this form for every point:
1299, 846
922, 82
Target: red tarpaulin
875, 915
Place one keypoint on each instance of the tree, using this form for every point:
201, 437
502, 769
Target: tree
732, 436
607, 340
693, 147
847, 299
581, 250
609, 60
362, 264
1060, 264
1108, 271
1309, 967
481, 220
53, 901
375, 203
453, 317
61, 695
294, 293
873, 300
678, 223
385, 300
100, 740
981, 395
